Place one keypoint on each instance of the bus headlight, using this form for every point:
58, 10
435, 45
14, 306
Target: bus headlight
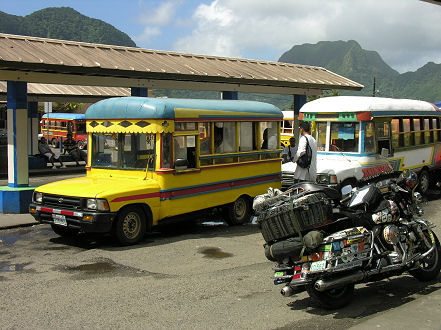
326, 179
97, 204
38, 197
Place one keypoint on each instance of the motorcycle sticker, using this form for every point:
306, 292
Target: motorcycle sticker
318, 266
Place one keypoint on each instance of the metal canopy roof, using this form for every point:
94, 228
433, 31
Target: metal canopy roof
42, 60
61, 93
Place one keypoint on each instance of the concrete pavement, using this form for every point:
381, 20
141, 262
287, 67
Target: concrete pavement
422, 313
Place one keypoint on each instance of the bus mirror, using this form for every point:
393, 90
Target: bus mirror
384, 152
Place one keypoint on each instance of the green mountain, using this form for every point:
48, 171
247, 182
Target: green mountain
64, 23
348, 59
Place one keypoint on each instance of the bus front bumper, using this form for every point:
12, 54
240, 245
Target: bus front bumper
84, 221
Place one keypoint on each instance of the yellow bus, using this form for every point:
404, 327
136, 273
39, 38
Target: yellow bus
287, 127
155, 159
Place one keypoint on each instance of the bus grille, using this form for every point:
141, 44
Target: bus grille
59, 201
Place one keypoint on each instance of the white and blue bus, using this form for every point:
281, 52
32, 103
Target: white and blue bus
361, 138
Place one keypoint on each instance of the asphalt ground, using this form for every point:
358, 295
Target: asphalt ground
422, 313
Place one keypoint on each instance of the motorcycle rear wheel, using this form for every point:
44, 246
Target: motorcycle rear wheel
430, 266
334, 298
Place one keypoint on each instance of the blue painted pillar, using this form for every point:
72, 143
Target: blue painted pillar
33, 126
17, 134
299, 101
139, 91
229, 95
15, 197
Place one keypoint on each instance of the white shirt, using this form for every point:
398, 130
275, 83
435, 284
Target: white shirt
308, 174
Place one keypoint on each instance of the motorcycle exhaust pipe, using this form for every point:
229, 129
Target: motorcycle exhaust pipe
322, 285
286, 291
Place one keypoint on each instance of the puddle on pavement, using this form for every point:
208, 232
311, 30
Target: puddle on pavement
107, 267
214, 252
97, 267
10, 238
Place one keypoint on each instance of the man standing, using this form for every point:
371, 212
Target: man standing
306, 173
290, 151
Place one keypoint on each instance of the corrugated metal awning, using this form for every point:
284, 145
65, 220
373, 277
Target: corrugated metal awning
71, 93
42, 60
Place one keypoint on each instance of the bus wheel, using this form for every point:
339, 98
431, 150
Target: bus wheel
130, 225
54, 143
424, 182
239, 212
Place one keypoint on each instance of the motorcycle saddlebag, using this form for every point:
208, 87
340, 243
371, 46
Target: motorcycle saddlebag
309, 211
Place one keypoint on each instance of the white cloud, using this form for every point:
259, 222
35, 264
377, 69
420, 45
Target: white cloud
154, 19
404, 32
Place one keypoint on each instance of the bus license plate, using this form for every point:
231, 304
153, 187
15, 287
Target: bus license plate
59, 219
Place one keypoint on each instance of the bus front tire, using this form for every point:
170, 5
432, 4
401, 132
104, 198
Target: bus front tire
424, 181
238, 212
130, 226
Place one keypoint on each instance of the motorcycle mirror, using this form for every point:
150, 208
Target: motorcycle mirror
346, 189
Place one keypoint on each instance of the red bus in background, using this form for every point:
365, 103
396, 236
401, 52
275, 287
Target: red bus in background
56, 125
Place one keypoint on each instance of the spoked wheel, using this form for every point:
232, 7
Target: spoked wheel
334, 298
424, 183
130, 225
81, 144
64, 231
429, 267
239, 212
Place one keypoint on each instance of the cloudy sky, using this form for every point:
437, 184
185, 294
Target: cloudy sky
406, 33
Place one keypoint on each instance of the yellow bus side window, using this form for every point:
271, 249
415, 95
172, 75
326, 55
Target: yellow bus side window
395, 133
269, 131
185, 152
205, 138
406, 130
166, 156
246, 136
427, 136
224, 137
417, 131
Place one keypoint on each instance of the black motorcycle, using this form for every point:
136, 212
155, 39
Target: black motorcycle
325, 241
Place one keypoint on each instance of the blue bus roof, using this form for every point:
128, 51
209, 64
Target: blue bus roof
169, 108
53, 115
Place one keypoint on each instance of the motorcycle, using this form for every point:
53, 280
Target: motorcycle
327, 241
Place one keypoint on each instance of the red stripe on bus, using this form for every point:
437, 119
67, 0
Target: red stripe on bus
364, 116
45, 209
219, 186
133, 197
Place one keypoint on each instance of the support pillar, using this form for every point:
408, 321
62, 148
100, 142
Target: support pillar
139, 91
15, 198
299, 101
33, 125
